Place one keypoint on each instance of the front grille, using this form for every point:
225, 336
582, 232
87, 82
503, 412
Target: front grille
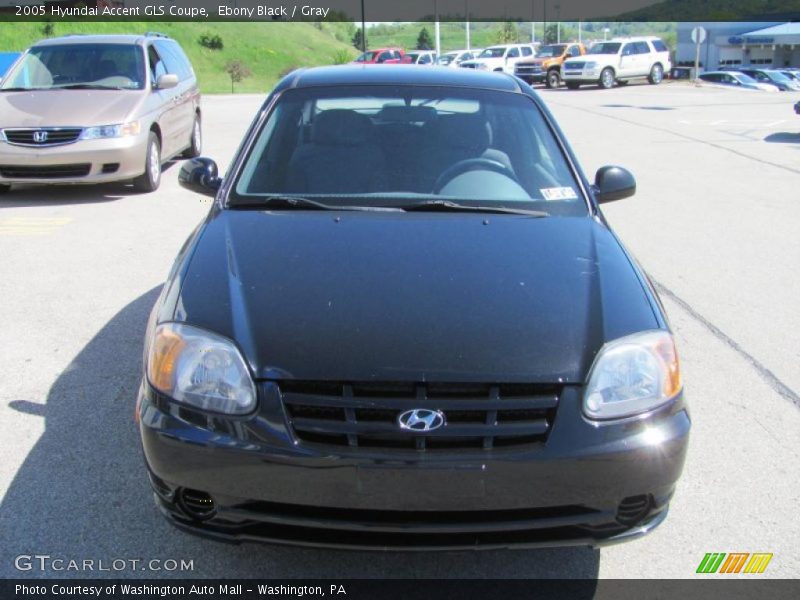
528, 69
469, 66
574, 66
53, 136
45, 171
365, 415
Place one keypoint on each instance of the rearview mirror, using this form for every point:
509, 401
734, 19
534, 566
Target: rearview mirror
613, 183
166, 81
200, 175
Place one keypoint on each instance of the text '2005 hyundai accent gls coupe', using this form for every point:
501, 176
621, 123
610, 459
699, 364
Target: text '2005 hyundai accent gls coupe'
405, 324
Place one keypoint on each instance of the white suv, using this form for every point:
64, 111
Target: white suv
618, 60
500, 58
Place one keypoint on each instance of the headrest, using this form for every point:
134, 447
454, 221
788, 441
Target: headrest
341, 128
464, 131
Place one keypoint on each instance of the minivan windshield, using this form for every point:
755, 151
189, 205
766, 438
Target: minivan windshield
493, 52
394, 146
605, 48
78, 66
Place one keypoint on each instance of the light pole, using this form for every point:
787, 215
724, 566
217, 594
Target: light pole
558, 23
363, 29
605, 33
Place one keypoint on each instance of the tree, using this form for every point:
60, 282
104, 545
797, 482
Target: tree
424, 41
237, 71
550, 33
357, 41
48, 30
507, 34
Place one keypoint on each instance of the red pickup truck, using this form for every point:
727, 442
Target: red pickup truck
384, 56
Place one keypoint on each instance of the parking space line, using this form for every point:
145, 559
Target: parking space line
31, 225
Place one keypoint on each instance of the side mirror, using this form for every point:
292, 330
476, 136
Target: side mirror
613, 183
200, 175
166, 81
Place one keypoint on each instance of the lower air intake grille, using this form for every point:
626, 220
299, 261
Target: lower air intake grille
477, 417
45, 171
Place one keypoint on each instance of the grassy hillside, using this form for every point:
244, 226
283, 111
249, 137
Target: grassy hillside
267, 49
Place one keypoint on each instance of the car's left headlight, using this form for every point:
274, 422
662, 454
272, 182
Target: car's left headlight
483, 66
632, 375
590, 65
200, 368
111, 131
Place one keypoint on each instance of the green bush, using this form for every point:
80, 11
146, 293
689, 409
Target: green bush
211, 41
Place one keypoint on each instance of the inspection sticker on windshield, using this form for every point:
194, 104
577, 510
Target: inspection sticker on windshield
558, 193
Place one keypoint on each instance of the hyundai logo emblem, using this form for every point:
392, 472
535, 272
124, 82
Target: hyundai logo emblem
420, 419
40, 137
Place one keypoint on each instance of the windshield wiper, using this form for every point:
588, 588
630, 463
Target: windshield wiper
22, 89
299, 203
447, 205
88, 86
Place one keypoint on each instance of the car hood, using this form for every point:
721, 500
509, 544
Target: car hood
412, 296
63, 108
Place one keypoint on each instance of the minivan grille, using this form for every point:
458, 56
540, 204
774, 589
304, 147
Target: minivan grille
365, 415
574, 66
43, 136
45, 171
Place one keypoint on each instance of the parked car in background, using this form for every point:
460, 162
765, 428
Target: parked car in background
313, 376
735, 79
797, 108
96, 109
420, 57
6, 60
618, 61
791, 73
384, 56
769, 76
454, 58
545, 67
500, 58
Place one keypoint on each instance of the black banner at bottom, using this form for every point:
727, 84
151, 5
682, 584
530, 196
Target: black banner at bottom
390, 589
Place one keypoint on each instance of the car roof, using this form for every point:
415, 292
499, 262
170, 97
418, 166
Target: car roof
354, 74
98, 39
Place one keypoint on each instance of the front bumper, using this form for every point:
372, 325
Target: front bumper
587, 485
527, 77
581, 76
112, 159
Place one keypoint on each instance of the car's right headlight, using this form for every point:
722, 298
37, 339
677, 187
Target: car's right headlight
2, 136
483, 66
591, 65
200, 368
632, 375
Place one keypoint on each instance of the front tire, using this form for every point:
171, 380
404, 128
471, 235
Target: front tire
553, 79
151, 178
572, 85
196, 141
656, 75
606, 78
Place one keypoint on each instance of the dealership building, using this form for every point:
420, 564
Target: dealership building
766, 45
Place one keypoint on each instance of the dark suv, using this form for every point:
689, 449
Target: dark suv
405, 323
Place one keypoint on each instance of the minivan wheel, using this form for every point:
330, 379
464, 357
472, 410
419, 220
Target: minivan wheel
553, 79
151, 178
196, 141
656, 75
607, 78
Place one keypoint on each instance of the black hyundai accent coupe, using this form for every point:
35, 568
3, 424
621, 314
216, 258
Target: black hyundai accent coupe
406, 324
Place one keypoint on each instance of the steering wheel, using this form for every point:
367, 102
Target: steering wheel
472, 164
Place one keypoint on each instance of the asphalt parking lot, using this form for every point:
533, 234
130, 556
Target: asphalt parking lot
715, 222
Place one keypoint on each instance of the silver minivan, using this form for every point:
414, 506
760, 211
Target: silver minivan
96, 109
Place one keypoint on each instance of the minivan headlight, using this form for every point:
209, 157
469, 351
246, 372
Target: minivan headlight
200, 368
111, 131
591, 65
633, 374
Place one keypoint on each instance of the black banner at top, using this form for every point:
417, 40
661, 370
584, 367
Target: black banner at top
403, 10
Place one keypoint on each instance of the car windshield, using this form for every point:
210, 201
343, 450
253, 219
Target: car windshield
447, 59
94, 66
777, 76
366, 56
605, 48
550, 51
744, 78
493, 53
391, 146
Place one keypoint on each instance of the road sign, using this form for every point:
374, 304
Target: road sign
698, 35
